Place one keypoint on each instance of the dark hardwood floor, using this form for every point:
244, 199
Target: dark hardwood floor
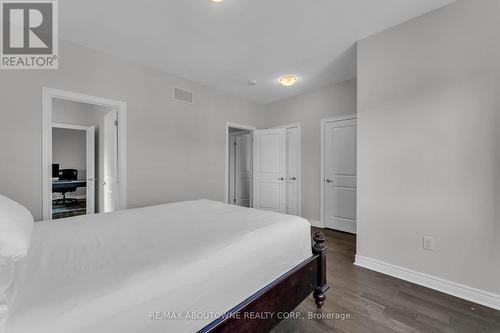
379, 303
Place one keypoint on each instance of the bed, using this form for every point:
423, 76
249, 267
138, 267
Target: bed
194, 266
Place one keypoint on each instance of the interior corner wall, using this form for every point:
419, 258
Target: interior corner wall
429, 145
175, 151
308, 110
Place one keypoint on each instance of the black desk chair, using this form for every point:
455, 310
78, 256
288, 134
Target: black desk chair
67, 174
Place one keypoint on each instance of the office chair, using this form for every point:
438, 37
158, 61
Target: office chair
67, 174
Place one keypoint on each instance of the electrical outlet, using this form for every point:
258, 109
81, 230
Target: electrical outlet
428, 243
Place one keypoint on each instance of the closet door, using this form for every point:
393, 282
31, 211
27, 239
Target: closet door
269, 168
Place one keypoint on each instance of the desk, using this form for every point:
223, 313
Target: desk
60, 185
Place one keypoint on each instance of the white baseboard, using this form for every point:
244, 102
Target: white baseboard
459, 290
316, 223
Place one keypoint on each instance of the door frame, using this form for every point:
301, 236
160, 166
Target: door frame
87, 148
299, 166
322, 179
48, 95
226, 166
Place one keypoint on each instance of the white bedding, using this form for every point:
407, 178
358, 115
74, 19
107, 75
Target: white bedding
107, 273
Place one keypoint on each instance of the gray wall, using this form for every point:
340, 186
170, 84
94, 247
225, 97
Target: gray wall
308, 110
429, 144
175, 151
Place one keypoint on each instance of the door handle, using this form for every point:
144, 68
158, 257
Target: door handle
292, 178
329, 180
281, 178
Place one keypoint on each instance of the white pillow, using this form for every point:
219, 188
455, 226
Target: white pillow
4, 312
6, 273
6, 278
16, 226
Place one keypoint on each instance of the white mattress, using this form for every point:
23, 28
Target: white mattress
107, 273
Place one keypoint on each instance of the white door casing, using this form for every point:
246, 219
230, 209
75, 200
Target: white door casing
48, 95
339, 173
292, 170
269, 168
90, 151
110, 166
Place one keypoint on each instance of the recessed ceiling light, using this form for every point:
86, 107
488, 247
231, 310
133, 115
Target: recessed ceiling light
216, 1
252, 82
288, 80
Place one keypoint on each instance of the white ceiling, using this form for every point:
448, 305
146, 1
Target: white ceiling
227, 44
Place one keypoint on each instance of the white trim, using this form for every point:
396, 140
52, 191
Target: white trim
70, 126
316, 223
226, 157
322, 161
452, 288
48, 94
299, 167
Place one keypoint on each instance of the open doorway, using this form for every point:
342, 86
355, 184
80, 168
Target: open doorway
239, 165
84, 145
73, 170
84, 154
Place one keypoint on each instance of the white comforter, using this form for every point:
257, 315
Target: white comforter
108, 272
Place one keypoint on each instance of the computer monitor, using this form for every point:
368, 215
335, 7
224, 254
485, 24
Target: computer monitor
55, 170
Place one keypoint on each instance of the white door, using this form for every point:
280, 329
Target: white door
292, 170
90, 151
339, 206
269, 168
110, 147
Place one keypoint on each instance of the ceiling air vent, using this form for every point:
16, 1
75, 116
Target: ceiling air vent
182, 95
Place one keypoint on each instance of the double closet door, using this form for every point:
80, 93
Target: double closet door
276, 170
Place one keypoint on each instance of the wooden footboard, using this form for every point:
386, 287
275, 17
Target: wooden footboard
266, 308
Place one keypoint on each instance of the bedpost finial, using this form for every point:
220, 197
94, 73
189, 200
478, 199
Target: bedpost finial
319, 241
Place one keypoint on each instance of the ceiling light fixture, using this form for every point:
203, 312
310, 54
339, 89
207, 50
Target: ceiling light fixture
217, 1
288, 80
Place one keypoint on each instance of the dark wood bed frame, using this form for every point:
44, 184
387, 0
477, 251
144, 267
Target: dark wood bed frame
259, 313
